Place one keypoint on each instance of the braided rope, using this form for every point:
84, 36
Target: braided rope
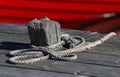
76, 44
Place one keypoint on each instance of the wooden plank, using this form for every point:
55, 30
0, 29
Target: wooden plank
14, 38
18, 72
10, 42
104, 48
7, 44
101, 65
87, 58
99, 59
22, 30
90, 58
92, 36
13, 28
67, 67
19, 39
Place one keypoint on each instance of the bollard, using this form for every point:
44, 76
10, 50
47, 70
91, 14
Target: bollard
44, 32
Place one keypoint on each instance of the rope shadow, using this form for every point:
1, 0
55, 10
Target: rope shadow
6, 45
13, 45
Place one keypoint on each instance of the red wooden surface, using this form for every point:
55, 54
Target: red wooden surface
77, 14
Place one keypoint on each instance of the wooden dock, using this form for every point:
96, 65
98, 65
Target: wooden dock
102, 61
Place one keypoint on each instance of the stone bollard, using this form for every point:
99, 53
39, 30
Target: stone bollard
44, 32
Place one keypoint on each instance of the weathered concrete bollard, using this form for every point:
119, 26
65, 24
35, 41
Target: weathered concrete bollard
44, 32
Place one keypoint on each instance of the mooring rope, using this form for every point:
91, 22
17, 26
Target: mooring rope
74, 44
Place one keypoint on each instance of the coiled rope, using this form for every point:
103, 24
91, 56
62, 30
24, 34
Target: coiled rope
74, 44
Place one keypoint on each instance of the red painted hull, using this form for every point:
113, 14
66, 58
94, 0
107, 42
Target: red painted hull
73, 14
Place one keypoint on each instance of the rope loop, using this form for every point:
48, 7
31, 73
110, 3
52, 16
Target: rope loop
71, 44
26, 56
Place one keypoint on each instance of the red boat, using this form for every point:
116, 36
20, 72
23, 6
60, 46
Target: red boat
90, 15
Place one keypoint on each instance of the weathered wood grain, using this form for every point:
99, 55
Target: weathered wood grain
101, 61
16, 72
104, 48
67, 67
13, 28
22, 30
